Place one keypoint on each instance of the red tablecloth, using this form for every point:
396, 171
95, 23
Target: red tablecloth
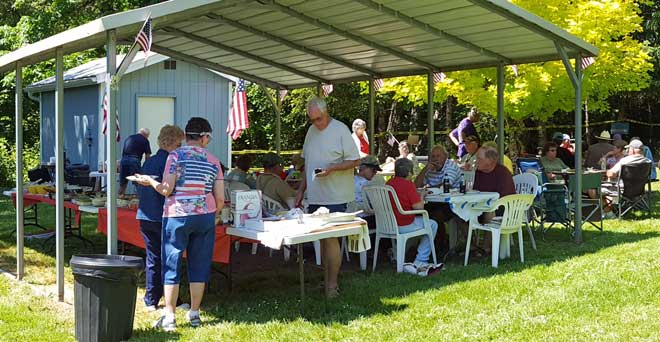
32, 199
128, 231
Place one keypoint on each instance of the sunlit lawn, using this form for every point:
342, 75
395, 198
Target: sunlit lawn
604, 289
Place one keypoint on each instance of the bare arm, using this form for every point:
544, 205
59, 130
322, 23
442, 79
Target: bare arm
418, 205
219, 194
301, 191
165, 188
454, 139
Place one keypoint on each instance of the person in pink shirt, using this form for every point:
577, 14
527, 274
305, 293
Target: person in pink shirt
194, 192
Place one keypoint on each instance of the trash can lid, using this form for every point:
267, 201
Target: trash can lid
100, 261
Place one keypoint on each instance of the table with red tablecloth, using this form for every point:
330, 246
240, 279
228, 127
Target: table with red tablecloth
72, 214
128, 231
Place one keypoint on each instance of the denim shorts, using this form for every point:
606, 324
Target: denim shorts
194, 234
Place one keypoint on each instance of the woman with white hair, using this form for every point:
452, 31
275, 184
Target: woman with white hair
360, 137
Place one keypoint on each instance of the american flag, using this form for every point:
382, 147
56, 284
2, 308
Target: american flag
105, 117
238, 121
283, 93
439, 77
391, 140
327, 89
587, 61
144, 38
515, 69
378, 84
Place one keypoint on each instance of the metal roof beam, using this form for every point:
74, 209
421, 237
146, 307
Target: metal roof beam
328, 27
245, 54
293, 45
432, 30
215, 66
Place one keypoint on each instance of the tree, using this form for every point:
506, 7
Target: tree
542, 89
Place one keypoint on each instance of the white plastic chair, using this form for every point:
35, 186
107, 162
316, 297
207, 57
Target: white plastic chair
515, 209
527, 184
378, 197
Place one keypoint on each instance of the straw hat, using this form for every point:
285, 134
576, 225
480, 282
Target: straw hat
604, 135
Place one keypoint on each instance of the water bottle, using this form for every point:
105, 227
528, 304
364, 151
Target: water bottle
445, 185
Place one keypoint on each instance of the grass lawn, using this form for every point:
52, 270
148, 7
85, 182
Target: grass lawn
604, 289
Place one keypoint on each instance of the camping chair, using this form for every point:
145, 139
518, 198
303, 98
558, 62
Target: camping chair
534, 166
379, 197
527, 184
515, 210
594, 206
630, 188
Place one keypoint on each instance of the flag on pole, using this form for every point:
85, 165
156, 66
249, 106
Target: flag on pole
106, 109
391, 140
587, 61
438, 77
327, 89
144, 39
378, 84
283, 93
515, 69
238, 121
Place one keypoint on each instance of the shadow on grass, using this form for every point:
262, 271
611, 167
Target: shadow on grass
267, 289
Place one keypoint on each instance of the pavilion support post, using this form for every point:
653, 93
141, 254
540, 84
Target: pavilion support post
430, 92
500, 112
20, 228
111, 141
372, 115
278, 122
318, 90
576, 79
59, 172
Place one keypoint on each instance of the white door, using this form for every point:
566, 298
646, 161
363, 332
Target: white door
154, 113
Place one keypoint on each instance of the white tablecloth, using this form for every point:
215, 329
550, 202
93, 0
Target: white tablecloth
466, 206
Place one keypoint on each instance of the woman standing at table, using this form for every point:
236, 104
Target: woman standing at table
150, 214
194, 191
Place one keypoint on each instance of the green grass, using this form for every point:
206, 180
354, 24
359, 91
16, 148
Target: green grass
604, 289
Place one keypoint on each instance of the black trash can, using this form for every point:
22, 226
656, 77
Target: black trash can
105, 291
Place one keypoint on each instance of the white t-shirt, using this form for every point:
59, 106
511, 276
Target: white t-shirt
627, 160
332, 145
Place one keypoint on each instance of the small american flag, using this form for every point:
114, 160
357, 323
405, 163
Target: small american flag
439, 77
378, 84
238, 121
587, 61
283, 93
515, 69
327, 89
144, 38
391, 140
105, 117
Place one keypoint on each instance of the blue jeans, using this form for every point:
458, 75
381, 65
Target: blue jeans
151, 233
424, 247
194, 234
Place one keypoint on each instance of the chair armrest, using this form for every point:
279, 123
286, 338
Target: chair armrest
415, 212
485, 209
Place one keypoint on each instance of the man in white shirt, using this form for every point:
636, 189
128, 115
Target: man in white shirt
635, 156
330, 157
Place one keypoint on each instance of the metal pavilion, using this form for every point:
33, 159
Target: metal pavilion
287, 44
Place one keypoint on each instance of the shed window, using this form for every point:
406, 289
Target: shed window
170, 64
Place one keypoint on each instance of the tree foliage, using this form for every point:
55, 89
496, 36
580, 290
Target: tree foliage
542, 89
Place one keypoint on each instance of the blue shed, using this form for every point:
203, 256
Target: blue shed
152, 94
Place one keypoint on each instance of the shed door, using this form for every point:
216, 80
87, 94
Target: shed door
154, 113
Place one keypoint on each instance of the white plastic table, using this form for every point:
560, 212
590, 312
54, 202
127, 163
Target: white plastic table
346, 229
466, 206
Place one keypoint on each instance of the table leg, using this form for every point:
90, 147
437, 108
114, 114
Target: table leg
301, 273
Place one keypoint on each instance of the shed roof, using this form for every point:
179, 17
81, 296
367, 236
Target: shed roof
94, 72
299, 43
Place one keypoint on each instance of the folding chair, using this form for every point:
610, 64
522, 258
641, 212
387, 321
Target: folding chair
631, 188
594, 206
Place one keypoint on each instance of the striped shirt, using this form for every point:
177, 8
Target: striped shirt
196, 170
450, 170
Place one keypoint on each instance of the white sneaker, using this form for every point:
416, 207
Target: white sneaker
194, 319
167, 323
421, 265
410, 268
151, 308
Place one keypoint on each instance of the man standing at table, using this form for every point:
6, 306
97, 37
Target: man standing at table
330, 157
134, 147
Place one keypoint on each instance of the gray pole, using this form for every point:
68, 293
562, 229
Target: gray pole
111, 142
20, 229
430, 122
500, 111
577, 195
59, 172
278, 121
372, 115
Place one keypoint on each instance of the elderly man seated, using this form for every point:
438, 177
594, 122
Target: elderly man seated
270, 183
366, 172
239, 173
438, 169
635, 156
409, 200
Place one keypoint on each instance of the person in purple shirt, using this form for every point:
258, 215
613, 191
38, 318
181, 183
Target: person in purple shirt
134, 147
465, 129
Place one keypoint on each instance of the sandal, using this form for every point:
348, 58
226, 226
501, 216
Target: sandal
332, 293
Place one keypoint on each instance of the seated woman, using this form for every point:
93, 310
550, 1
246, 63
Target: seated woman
551, 164
613, 157
469, 160
410, 199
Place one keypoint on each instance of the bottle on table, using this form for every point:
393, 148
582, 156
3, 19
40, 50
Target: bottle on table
461, 186
445, 185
